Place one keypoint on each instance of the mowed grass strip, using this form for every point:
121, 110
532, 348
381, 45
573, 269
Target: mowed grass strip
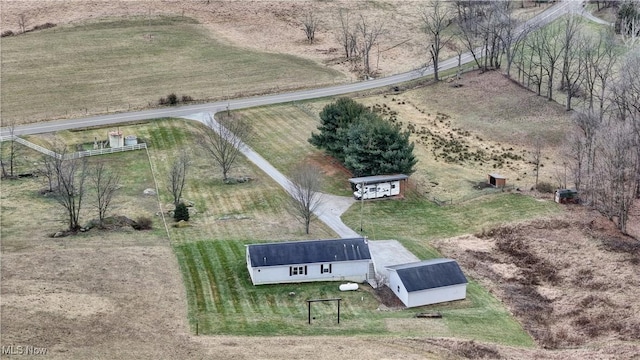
245, 309
269, 309
418, 220
125, 64
281, 136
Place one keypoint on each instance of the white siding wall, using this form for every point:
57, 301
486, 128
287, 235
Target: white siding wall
437, 295
425, 297
355, 271
398, 287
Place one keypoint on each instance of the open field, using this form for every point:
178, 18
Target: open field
131, 64
132, 53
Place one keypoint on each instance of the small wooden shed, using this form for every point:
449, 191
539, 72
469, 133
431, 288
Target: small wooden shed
497, 180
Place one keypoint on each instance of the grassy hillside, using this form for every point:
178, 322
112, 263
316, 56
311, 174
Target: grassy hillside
116, 65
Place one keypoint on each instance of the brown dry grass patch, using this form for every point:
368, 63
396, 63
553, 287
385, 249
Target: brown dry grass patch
571, 279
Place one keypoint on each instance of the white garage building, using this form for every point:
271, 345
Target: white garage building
428, 282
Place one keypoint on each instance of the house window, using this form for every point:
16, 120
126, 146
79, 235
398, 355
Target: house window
393, 186
297, 270
398, 288
325, 268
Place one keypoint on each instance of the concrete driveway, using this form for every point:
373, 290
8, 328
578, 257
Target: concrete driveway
388, 253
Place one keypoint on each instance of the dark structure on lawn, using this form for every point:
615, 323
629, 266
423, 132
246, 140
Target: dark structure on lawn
497, 180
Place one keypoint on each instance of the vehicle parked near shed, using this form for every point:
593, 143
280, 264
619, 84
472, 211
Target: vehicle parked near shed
566, 196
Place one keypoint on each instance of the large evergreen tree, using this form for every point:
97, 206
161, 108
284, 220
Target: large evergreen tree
377, 147
364, 142
336, 119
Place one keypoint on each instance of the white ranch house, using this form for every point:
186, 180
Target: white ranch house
310, 260
428, 282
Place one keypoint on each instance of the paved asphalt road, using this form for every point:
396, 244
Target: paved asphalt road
545, 17
332, 206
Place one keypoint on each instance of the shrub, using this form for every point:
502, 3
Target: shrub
181, 212
545, 187
143, 223
172, 99
7, 33
186, 98
44, 26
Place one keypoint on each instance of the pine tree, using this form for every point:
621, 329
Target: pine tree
181, 212
336, 119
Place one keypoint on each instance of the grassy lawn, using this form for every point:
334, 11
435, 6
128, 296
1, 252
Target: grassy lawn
222, 300
281, 134
116, 65
28, 219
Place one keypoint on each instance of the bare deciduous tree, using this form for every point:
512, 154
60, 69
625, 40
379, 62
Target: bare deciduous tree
22, 22
46, 169
305, 193
574, 64
584, 154
536, 156
435, 19
535, 72
617, 173
511, 36
572, 26
223, 138
71, 175
105, 185
177, 176
369, 34
552, 51
599, 58
12, 151
310, 24
347, 35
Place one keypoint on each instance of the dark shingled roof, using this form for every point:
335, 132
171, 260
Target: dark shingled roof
429, 274
308, 252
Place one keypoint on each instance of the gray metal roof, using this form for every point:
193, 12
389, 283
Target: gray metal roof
497, 176
377, 179
429, 274
308, 252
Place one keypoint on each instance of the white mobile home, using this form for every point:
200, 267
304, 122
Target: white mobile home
428, 282
372, 187
314, 260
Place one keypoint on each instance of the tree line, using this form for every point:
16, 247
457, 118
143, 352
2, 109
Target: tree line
561, 61
591, 71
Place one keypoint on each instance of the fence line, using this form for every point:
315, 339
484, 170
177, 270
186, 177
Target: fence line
80, 154
36, 147
75, 155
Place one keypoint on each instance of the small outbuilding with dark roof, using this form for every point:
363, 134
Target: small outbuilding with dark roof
428, 282
310, 260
